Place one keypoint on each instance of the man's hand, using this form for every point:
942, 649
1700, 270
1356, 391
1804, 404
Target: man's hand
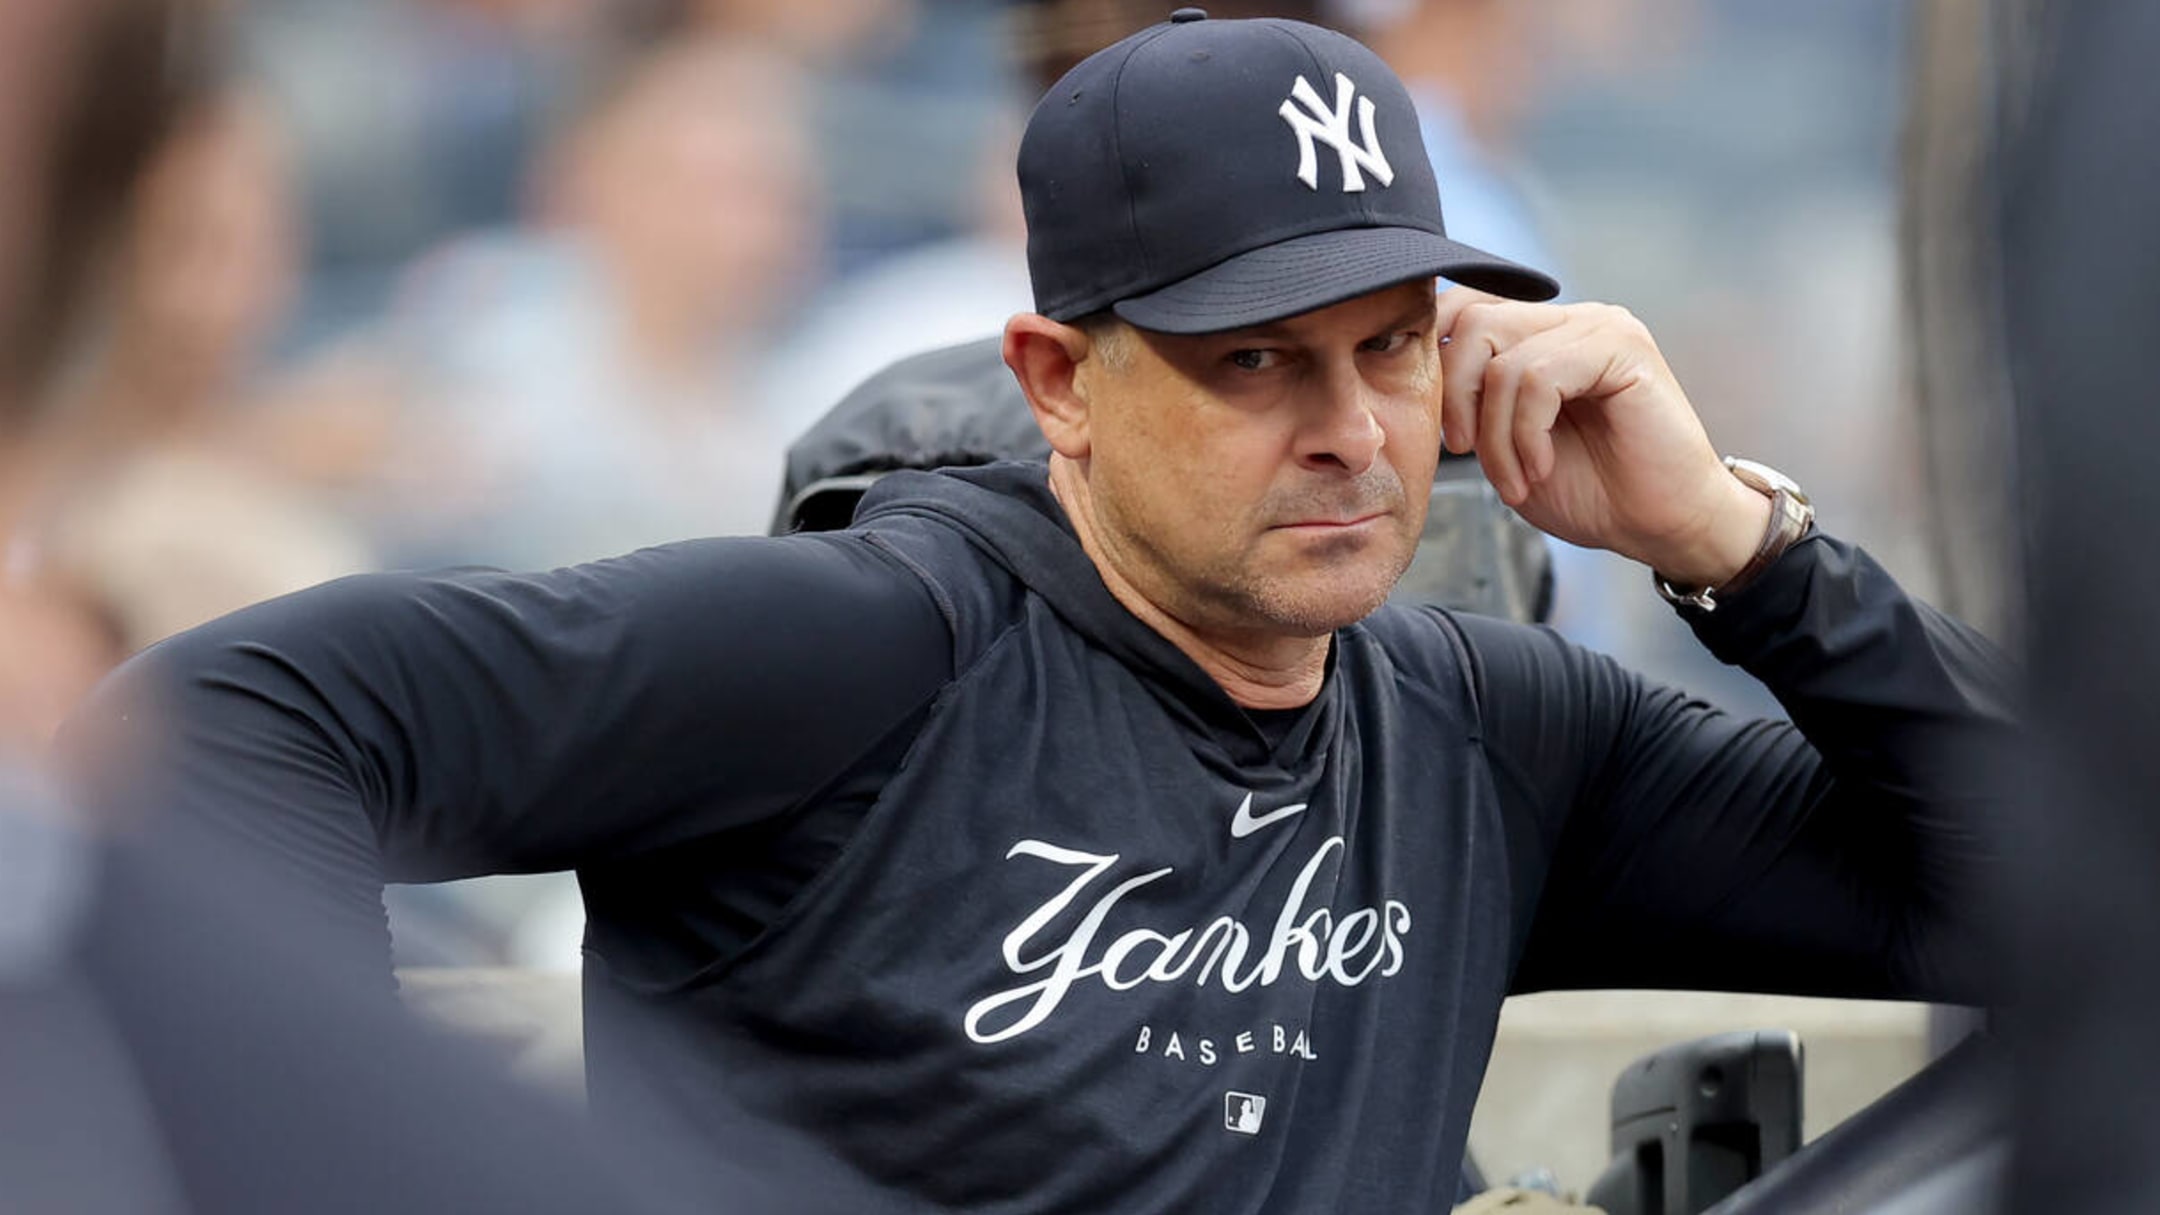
1581, 427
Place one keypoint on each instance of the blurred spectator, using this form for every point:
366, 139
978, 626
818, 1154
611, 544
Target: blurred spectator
69, 150
575, 389
159, 505
936, 294
1723, 170
813, 32
101, 1110
420, 119
139, 510
177, 1032
206, 272
943, 292
1472, 68
582, 385
414, 118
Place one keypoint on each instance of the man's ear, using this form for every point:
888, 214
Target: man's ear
1045, 357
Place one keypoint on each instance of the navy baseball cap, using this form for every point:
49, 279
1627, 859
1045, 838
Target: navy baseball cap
1207, 175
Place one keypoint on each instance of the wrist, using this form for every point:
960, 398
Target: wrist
1726, 542
1785, 515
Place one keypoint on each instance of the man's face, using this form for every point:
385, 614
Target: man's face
1268, 481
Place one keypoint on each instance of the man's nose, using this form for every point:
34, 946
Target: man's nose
1343, 429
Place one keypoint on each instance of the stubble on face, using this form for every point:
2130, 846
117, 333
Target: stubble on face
1246, 573
1182, 520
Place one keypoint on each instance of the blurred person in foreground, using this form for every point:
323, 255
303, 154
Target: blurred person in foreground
581, 387
2081, 295
177, 1034
1088, 835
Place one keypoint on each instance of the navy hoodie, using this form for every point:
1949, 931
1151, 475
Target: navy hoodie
912, 841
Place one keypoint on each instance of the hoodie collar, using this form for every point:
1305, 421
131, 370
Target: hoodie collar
1008, 512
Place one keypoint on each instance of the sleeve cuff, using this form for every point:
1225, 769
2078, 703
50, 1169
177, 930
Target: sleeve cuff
1748, 624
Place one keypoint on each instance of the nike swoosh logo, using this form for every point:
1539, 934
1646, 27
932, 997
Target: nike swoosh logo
1245, 822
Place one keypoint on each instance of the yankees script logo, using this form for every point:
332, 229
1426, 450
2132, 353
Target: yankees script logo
1332, 127
1347, 948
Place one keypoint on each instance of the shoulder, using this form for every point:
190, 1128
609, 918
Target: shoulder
1489, 657
977, 596
1417, 637
1418, 648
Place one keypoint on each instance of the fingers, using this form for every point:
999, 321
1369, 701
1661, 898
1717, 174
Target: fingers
1461, 366
1452, 302
1478, 326
1521, 398
1508, 374
1462, 356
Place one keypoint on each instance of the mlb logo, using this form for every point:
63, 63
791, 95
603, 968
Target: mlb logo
1242, 1112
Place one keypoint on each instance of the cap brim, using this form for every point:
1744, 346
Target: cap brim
1308, 272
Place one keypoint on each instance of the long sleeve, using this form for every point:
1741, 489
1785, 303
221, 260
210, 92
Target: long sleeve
430, 726
1844, 853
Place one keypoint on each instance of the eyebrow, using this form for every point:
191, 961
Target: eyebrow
1271, 329
1425, 310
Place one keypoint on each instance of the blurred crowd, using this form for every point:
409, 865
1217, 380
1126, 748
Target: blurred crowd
531, 282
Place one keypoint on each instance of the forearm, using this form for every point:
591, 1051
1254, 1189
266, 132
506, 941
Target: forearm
1896, 698
432, 726
1691, 848
1903, 708
221, 741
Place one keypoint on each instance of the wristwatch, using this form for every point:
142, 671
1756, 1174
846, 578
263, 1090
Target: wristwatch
1791, 514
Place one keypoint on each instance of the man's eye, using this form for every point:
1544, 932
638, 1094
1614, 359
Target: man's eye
1254, 360
1390, 343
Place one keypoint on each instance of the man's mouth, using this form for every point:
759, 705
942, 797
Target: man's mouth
1333, 523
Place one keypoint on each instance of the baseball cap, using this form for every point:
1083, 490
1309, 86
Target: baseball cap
1204, 175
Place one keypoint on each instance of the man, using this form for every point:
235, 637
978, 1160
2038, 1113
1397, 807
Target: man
1086, 836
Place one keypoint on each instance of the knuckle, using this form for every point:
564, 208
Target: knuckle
1625, 321
1502, 370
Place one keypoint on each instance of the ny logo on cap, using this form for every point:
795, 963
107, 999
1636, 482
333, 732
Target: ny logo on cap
1332, 126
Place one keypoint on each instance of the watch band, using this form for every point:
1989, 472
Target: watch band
1791, 514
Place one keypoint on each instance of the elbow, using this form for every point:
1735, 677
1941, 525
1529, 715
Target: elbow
107, 748
226, 704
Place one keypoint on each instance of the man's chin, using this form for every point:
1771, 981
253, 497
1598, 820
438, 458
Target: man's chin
1321, 605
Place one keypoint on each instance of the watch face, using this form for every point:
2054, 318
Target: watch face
1765, 478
